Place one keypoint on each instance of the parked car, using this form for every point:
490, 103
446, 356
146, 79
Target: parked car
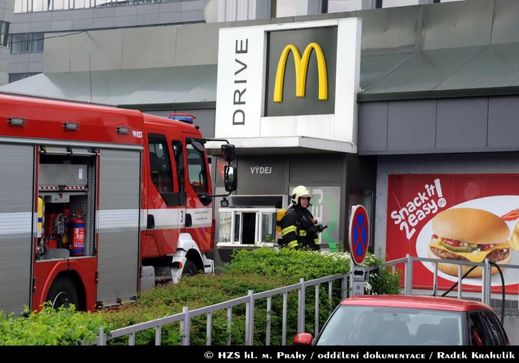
409, 320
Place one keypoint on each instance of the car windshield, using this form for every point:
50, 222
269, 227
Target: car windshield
360, 325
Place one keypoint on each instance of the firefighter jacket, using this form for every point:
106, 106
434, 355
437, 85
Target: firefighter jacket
298, 229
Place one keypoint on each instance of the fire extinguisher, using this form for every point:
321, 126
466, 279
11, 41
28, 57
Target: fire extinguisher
77, 243
65, 237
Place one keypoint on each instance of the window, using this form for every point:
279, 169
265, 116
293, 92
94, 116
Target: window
225, 224
324, 6
26, 43
196, 166
485, 329
13, 77
178, 154
28, 6
267, 232
382, 325
4, 33
247, 227
160, 166
494, 328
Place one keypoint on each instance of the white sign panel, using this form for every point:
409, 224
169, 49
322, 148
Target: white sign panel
242, 75
240, 81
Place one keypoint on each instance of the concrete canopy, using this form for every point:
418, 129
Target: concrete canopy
452, 72
479, 70
136, 88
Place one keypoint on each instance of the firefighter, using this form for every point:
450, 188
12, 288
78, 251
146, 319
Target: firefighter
299, 228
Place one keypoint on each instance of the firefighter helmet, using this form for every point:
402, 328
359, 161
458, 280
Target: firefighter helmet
298, 192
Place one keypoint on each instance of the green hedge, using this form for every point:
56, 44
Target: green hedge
383, 281
195, 292
289, 264
64, 326
258, 270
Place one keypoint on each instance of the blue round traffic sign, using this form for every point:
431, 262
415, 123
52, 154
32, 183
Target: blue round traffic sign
359, 233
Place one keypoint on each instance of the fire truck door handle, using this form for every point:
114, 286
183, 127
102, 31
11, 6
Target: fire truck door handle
150, 223
189, 221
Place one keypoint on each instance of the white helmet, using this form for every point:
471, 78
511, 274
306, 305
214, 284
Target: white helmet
298, 192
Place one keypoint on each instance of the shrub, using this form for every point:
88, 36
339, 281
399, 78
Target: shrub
258, 270
64, 326
382, 280
195, 292
289, 264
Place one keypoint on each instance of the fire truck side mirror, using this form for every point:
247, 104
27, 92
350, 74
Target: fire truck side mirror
228, 152
230, 178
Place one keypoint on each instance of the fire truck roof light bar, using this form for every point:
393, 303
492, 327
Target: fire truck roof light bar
71, 126
184, 117
15, 121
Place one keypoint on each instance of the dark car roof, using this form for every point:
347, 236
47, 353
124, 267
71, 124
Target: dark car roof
416, 302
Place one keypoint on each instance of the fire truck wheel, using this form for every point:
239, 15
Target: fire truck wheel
63, 293
190, 269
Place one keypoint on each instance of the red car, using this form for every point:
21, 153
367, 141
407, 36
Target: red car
409, 320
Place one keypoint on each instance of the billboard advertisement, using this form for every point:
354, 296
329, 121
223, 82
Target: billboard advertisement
455, 216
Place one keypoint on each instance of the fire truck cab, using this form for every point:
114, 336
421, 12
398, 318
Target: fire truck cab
99, 203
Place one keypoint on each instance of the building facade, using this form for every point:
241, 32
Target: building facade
417, 96
34, 20
429, 124
101, 52
6, 16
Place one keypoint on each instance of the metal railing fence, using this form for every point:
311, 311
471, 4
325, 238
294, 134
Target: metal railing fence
486, 276
250, 300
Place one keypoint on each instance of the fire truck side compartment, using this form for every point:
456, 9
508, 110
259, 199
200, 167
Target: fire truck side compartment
63, 174
119, 203
16, 225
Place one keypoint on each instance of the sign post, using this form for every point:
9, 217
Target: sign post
358, 278
359, 242
359, 233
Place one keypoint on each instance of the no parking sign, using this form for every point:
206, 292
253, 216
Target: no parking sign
359, 233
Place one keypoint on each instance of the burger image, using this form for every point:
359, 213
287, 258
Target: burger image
469, 234
514, 239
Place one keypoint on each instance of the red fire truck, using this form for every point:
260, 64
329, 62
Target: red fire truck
98, 203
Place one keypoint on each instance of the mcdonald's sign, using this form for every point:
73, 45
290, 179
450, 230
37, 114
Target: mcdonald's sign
285, 81
301, 71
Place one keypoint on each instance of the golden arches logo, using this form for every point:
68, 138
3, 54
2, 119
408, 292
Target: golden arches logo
301, 71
